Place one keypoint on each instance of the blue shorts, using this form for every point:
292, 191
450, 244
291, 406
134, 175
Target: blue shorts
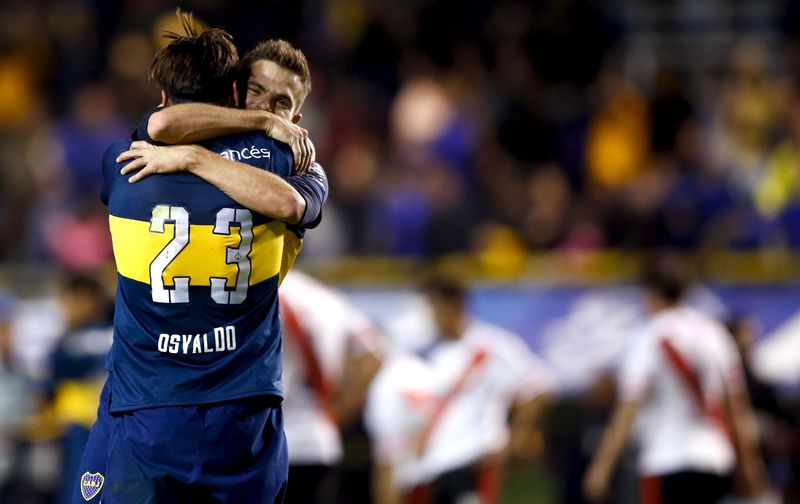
225, 452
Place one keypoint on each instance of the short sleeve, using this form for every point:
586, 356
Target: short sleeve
397, 407
313, 187
638, 366
522, 373
140, 133
730, 362
364, 335
110, 169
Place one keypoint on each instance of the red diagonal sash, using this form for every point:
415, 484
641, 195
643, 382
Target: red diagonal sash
712, 410
311, 364
477, 360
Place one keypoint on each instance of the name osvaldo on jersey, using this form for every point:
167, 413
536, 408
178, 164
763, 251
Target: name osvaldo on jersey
223, 339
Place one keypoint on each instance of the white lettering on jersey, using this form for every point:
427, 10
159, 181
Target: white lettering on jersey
224, 341
252, 152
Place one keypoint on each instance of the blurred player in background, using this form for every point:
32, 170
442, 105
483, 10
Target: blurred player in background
481, 374
195, 370
76, 369
778, 424
682, 380
15, 403
399, 404
331, 353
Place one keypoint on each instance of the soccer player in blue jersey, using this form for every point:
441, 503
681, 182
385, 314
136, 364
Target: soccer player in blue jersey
191, 410
276, 79
273, 81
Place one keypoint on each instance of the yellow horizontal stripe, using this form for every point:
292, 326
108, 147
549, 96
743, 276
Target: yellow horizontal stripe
204, 256
76, 402
292, 244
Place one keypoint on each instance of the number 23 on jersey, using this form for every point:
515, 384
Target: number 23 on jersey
226, 218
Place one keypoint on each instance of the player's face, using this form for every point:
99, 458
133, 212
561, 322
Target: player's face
275, 89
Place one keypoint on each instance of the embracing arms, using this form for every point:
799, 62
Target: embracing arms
294, 199
186, 123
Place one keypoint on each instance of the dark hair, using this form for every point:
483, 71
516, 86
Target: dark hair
199, 68
80, 282
280, 52
668, 276
445, 286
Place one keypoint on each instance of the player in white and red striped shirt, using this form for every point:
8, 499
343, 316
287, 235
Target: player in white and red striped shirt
681, 381
480, 374
327, 342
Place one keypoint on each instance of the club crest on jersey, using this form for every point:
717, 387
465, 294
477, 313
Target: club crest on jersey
91, 484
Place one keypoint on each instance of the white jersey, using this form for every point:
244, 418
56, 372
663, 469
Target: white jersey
320, 329
478, 377
673, 430
398, 406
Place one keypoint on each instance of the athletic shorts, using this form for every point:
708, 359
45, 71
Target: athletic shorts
686, 487
217, 453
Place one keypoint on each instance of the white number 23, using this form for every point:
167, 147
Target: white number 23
240, 255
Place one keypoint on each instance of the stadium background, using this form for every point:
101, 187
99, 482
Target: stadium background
543, 148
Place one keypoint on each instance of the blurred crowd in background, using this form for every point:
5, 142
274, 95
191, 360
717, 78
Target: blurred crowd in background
444, 126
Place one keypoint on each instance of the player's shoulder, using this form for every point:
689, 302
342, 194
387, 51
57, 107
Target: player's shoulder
298, 285
402, 370
697, 320
109, 165
115, 149
318, 175
481, 331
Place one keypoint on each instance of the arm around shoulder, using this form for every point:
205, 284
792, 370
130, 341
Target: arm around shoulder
196, 122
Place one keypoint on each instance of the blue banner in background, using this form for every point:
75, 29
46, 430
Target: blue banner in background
581, 331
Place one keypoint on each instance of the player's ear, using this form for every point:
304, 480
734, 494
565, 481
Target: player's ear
164, 98
235, 94
296, 118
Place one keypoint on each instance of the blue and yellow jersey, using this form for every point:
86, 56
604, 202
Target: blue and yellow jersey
196, 318
77, 373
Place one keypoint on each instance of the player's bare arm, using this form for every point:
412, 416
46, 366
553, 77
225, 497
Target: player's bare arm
745, 437
186, 123
257, 189
525, 416
384, 489
348, 401
598, 476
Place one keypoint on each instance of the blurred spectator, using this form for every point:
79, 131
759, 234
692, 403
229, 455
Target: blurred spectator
748, 108
68, 224
618, 146
432, 133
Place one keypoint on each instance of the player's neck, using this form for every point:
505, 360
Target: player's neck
660, 305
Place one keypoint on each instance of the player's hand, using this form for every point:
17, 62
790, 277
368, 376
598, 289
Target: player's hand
147, 159
286, 131
595, 483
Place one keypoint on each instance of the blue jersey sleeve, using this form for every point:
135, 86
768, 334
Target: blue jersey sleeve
111, 168
313, 187
141, 131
